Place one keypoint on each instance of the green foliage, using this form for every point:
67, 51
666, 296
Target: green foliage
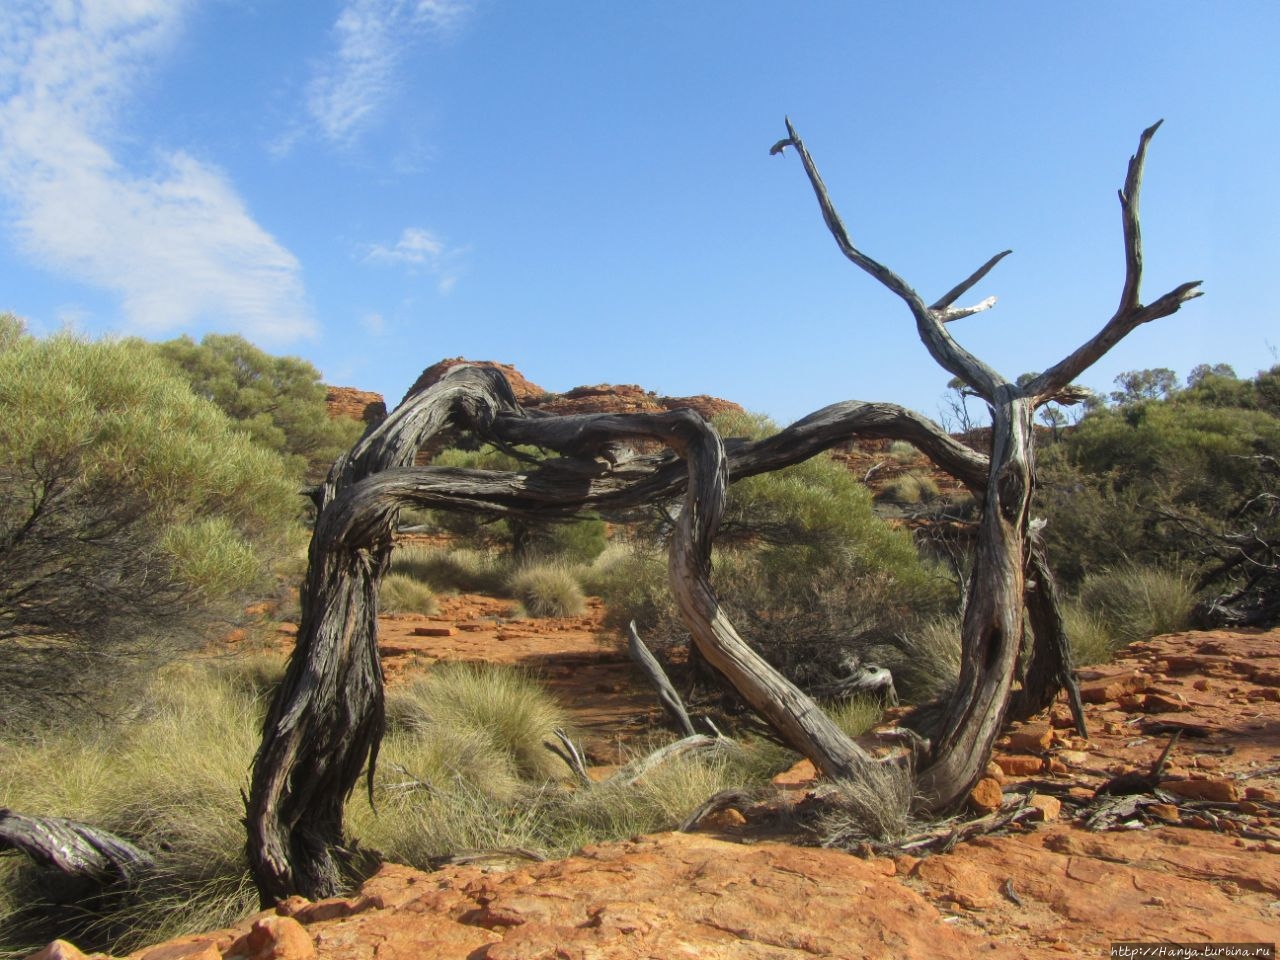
404, 594
1153, 481
631, 578
925, 659
903, 452
576, 541
809, 572
1136, 386
278, 401
131, 513
547, 589
1088, 634
856, 715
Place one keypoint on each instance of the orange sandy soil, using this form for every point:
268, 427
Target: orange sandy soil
1048, 889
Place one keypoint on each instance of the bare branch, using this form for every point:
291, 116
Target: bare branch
667, 695
949, 354
1130, 313
967, 284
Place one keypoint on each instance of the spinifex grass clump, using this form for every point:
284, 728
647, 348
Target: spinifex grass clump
459, 569
404, 594
463, 768
1137, 602
548, 589
170, 781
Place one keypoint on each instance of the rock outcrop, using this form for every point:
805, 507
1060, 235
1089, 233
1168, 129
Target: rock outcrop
354, 404
602, 398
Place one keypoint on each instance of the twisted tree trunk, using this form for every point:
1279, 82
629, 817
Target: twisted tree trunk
327, 719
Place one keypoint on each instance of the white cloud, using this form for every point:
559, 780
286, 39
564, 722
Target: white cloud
176, 242
374, 324
372, 38
420, 249
416, 246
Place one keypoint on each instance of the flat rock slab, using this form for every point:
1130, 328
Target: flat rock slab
668, 895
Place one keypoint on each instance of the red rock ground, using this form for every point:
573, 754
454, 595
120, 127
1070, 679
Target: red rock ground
1194, 871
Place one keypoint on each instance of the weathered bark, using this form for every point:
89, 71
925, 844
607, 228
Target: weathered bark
1050, 667
658, 679
327, 719
993, 616
73, 848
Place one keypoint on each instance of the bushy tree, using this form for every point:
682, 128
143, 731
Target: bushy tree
1134, 386
130, 510
278, 401
1169, 482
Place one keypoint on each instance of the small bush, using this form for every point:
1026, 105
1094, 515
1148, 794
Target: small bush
1137, 602
548, 590
903, 452
631, 578
579, 541
403, 594
876, 808
925, 660
855, 716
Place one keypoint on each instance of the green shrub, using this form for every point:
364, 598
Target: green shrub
578, 541
1137, 602
132, 514
404, 594
925, 660
278, 401
903, 452
547, 590
856, 715
1088, 634
631, 578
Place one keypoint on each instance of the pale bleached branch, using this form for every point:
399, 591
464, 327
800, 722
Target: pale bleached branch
968, 283
959, 313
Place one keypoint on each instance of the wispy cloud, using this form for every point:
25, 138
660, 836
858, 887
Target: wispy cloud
416, 247
175, 241
371, 39
420, 250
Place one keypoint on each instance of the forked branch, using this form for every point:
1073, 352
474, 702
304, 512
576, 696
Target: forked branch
929, 321
1131, 312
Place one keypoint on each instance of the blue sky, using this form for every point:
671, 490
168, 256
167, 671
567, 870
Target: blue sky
584, 189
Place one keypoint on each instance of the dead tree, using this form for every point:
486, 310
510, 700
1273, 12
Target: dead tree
992, 625
327, 719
